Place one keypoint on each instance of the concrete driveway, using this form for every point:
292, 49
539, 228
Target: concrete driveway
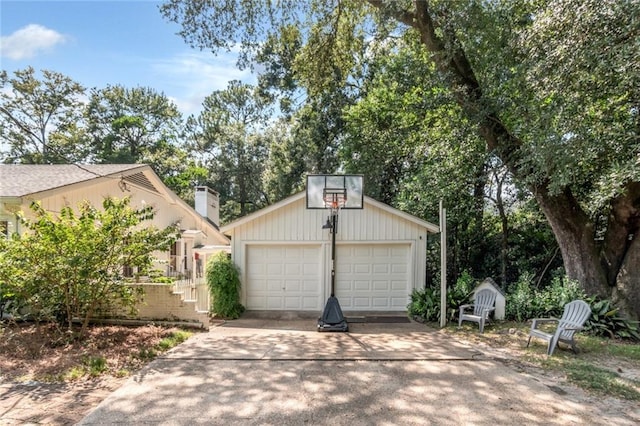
276, 372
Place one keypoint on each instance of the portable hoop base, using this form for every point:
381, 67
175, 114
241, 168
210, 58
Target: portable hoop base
332, 318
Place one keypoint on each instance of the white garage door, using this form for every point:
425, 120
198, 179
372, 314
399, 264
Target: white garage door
283, 277
373, 277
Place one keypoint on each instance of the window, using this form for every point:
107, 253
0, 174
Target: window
4, 228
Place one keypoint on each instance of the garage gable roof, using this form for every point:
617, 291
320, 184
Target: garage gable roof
430, 227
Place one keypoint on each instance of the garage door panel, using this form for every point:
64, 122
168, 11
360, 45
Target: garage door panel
360, 251
273, 252
309, 303
293, 286
381, 269
311, 269
399, 303
380, 302
373, 277
292, 269
381, 286
343, 286
362, 269
398, 285
256, 300
292, 302
361, 302
381, 251
274, 285
309, 287
274, 303
361, 286
399, 268
283, 277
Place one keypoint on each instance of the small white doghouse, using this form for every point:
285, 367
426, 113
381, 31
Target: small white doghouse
500, 297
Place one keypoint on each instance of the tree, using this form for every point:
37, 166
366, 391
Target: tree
40, 120
67, 266
130, 125
228, 138
285, 168
407, 142
511, 66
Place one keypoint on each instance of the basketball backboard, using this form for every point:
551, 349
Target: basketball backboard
322, 187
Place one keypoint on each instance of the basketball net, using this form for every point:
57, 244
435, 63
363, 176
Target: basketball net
334, 199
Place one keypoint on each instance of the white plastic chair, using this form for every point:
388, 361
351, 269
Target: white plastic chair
483, 304
574, 316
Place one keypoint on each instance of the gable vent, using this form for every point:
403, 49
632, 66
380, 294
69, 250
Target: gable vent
140, 180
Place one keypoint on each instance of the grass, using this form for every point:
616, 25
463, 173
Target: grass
95, 366
602, 381
173, 340
596, 368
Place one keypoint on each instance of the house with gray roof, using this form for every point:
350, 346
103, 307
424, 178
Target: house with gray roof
56, 186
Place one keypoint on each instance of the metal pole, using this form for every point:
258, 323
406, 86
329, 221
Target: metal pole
333, 253
443, 265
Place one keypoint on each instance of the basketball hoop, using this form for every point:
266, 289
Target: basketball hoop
330, 192
334, 198
335, 192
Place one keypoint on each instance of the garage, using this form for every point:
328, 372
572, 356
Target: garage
283, 277
373, 277
284, 252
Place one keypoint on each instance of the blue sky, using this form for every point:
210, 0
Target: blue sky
98, 43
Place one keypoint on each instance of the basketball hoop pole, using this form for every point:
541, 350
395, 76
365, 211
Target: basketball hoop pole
331, 192
335, 198
332, 318
334, 220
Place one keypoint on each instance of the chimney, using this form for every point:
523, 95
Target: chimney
207, 204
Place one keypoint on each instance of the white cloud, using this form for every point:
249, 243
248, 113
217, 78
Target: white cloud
29, 41
193, 76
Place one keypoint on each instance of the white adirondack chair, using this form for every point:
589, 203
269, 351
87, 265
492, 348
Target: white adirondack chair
573, 318
483, 304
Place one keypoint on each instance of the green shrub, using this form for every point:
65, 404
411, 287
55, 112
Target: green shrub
223, 280
551, 300
524, 302
425, 303
519, 300
460, 294
605, 321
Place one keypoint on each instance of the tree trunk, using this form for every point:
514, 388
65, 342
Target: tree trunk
575, 235
626, 294
504, 223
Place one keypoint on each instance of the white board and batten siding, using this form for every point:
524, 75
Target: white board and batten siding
284, 257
